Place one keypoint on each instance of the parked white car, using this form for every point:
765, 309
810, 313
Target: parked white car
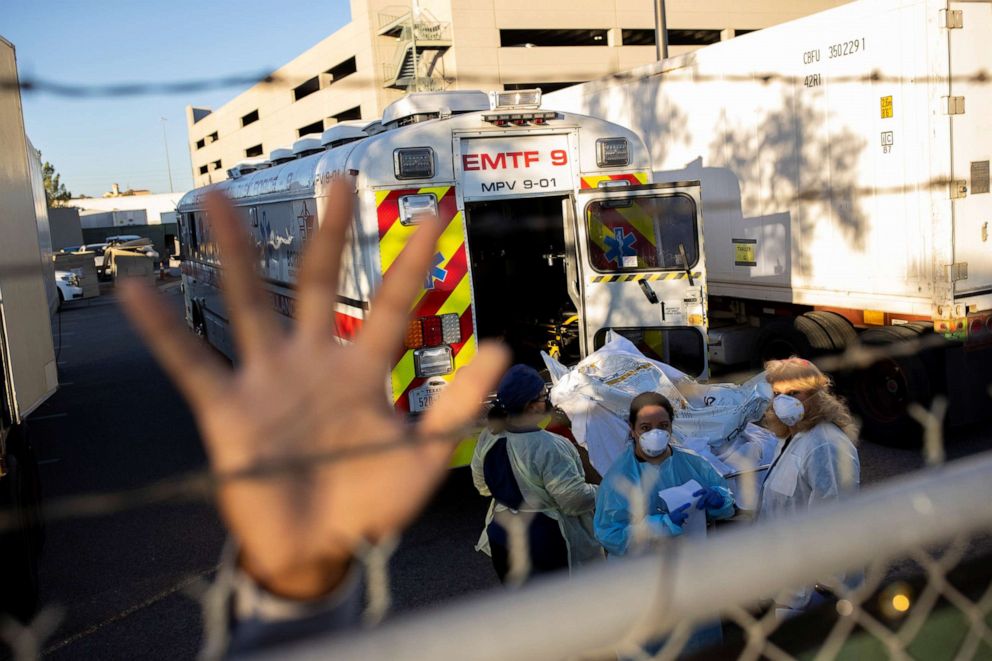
68, 284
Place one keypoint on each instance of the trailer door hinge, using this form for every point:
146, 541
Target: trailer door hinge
951, 19
957, 271
958, 188
952, 105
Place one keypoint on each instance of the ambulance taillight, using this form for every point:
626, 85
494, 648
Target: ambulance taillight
431, 339
433, 331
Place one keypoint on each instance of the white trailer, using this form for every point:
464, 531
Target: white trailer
27, 356
844, 163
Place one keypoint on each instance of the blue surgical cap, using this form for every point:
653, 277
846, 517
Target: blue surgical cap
520, 386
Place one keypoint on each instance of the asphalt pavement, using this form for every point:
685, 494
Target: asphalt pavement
125, 583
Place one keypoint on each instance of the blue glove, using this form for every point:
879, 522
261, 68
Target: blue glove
679, 515
710, 498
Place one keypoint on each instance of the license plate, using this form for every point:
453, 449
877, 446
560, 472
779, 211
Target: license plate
421, 398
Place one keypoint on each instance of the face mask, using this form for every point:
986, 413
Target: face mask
788, 409
654, 442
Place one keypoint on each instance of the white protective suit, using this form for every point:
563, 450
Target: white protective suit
549, 473
815, 466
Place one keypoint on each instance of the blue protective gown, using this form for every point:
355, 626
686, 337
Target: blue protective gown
613, 522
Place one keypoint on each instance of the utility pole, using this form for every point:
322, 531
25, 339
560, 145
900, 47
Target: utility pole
168, 165
660, 30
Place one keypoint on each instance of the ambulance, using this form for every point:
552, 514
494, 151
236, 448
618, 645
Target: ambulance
554, 234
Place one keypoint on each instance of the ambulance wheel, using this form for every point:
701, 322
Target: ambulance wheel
199, 325
882, 392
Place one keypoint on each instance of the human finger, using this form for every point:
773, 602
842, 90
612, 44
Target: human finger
252, 318
196, 370
390, 310
459, 404
318, 278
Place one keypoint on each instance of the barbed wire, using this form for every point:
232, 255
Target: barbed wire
31, 85
685, 73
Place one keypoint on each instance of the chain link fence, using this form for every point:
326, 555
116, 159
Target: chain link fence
921, 545
919, 548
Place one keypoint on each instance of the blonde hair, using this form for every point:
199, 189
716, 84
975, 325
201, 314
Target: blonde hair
822, 406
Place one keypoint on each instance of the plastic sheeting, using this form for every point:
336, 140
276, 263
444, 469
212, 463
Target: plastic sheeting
713, 420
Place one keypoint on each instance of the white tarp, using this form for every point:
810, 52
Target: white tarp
712, 420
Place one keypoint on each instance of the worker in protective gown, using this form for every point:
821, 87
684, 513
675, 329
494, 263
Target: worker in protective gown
649, 465
817, 461
631, 515
542, 504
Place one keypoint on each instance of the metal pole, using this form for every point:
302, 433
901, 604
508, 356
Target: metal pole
660, 30
168, 164
414, 16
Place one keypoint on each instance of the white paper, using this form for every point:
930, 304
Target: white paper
676, 497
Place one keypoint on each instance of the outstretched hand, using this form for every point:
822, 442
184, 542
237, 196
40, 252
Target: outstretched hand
302, 394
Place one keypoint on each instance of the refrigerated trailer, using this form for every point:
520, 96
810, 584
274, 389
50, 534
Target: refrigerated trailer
844, 162
28, 374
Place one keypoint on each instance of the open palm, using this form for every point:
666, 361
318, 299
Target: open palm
360, 471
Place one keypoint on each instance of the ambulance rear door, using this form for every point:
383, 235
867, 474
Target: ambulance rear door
642, 272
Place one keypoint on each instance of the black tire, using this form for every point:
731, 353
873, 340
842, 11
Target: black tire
881, 392
920, 328
199, 323
840, 330
809, 335
20, 547
780, 338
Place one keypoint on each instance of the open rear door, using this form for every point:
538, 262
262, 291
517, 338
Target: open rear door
643, 273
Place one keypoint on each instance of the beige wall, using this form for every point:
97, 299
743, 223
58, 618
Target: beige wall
474, 61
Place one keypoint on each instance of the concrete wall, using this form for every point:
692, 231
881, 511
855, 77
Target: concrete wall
66, 230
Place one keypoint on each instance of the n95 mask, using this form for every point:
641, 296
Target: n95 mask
788, 409
655, 441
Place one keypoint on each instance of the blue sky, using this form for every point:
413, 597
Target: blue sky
96, 142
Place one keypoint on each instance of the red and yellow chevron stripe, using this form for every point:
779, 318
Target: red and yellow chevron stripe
450, 294
635, 179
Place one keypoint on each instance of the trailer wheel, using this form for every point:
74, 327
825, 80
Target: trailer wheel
840, 331
780, 338
882, 392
